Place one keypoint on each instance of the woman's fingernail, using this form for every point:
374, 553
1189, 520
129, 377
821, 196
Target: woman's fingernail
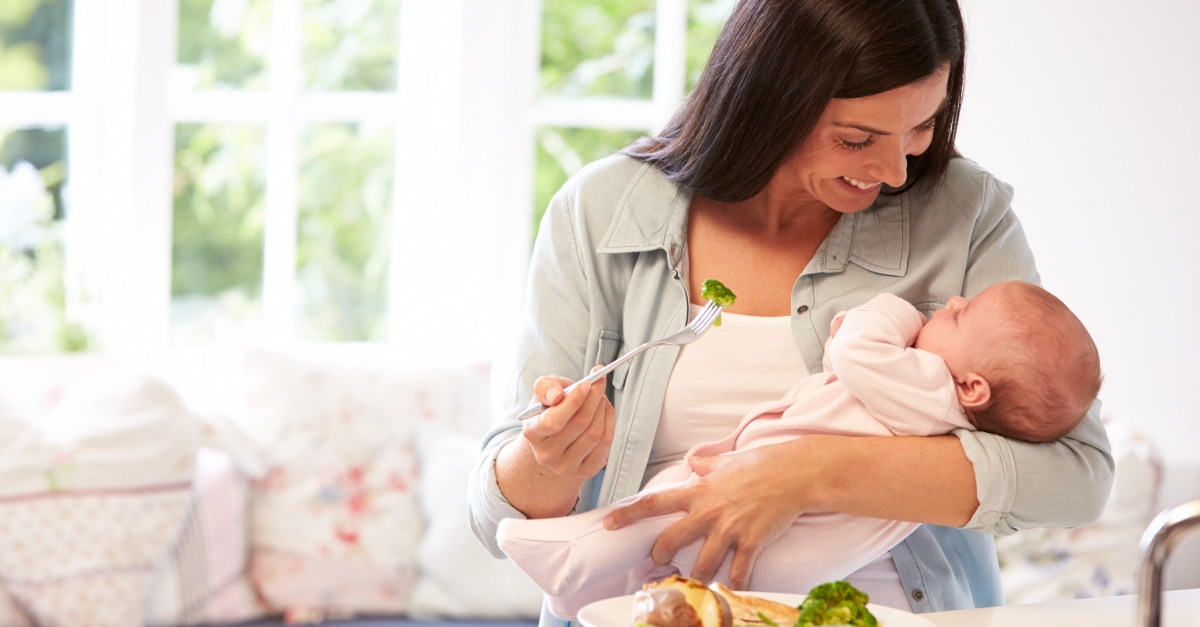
609, 523
553, 394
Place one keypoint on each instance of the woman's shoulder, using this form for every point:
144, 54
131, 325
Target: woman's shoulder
965, 187
609, 175
619, 191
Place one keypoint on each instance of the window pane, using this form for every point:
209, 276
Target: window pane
351, 44
342, 255
705, 19
561, 152
223, 44
40, 304
217, 239
601, 48
35, 45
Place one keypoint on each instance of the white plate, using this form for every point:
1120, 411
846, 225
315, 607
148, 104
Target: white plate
617, 611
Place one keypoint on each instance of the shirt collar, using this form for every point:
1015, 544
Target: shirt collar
652, 214
876, 239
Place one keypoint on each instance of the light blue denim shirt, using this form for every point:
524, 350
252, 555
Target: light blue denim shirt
608, 273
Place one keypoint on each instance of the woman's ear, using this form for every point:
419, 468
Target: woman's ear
974, 392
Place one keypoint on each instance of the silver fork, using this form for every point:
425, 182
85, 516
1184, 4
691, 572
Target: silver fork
701, 323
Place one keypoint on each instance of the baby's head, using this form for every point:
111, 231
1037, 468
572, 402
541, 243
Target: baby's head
1024, 365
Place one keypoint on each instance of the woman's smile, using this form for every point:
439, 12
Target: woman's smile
857, 186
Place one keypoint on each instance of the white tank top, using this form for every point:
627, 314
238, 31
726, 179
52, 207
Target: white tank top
746, 361
732, 368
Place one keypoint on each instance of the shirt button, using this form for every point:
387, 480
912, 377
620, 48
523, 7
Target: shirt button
918, 594
801, 309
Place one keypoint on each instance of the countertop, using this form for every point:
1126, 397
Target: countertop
1181, 608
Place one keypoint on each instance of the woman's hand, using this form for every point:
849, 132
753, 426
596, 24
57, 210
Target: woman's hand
540, 472
740, 502
573, 436
743, 501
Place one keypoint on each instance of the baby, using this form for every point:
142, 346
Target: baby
1013, 360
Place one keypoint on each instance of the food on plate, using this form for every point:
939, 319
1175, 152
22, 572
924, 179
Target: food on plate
835, 603
682, 602
716, 291
752, 610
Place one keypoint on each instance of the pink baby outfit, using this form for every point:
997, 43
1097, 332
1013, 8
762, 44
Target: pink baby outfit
872, 383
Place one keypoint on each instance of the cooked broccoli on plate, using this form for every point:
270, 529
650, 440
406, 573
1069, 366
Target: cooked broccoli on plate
716, 291
835, 603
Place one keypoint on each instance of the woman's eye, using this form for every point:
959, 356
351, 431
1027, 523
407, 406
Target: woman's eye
866, 143
926, 127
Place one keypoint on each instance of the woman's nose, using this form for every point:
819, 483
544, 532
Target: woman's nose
892, 167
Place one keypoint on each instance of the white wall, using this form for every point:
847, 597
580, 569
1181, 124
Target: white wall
1091, 109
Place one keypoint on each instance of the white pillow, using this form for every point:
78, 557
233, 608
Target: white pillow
92, 498
458, 577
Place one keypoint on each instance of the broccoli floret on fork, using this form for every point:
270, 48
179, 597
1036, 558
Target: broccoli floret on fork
716, 291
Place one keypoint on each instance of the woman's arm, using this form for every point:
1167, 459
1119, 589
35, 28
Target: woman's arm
744, 501
535, 469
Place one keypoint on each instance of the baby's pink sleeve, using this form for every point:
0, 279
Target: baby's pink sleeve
909, 390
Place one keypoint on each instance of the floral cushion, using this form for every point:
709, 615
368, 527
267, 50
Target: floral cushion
1101, 559
335, 517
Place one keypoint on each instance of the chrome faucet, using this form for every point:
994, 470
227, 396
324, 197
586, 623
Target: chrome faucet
1160, 538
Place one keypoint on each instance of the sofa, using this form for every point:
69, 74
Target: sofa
257, 485
245, 485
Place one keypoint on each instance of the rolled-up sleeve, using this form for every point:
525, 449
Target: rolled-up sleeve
487, 504
550, 341
1056, 484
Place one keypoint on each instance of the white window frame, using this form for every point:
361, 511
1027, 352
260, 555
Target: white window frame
466, 113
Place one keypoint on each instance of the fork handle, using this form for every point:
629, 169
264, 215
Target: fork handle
538, 408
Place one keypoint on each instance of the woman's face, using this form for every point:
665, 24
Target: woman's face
861, 143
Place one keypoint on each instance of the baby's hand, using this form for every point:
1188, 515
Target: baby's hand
836, 324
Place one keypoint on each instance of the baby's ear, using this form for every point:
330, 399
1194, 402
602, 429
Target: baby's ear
974, 392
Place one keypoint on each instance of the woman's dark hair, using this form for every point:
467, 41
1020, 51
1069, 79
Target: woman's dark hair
775, 67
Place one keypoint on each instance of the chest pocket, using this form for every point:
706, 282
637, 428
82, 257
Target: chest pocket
610, 347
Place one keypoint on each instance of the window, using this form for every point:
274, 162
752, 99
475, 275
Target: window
192, 171
38, 308
611, 72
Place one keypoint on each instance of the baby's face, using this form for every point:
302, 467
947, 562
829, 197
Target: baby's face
964, 329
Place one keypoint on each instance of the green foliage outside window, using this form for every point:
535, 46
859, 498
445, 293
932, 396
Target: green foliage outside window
605, 49
224, 44
598, 48
217, 222
35, 45
342, 255
351, 45
35, 301
345, 172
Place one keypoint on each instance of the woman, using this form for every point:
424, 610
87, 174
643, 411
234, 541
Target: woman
812, 168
